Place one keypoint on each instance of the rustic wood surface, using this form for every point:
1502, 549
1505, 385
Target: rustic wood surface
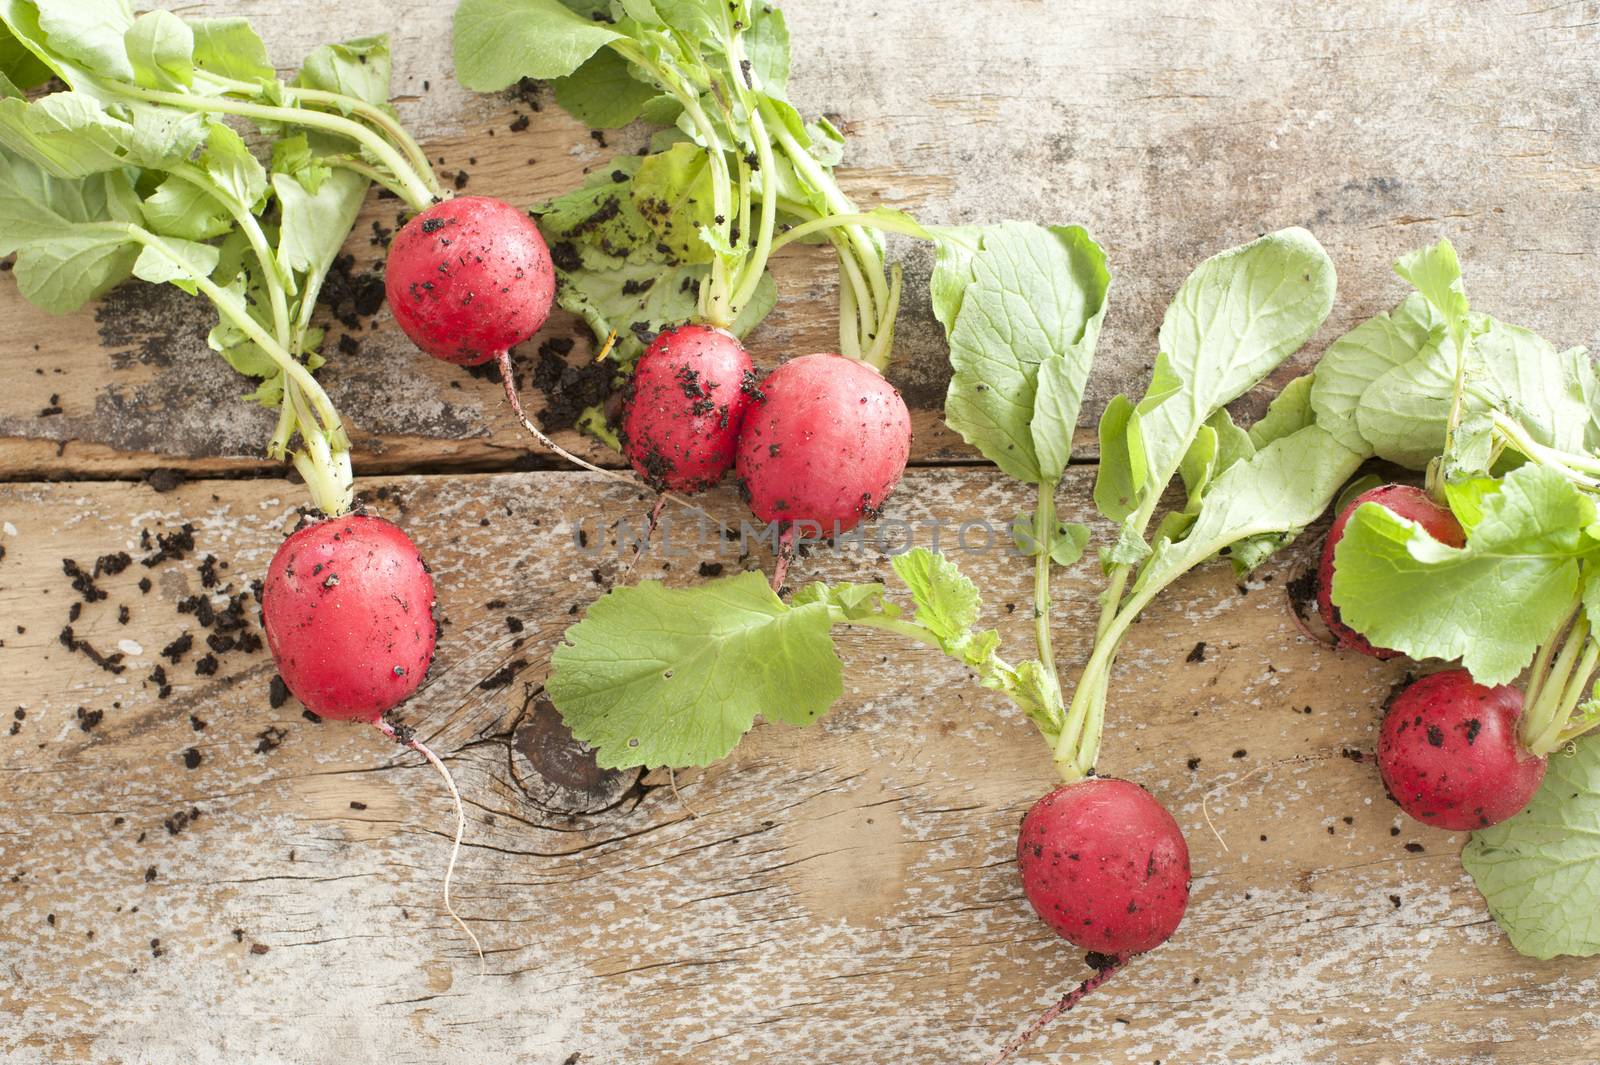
191, 874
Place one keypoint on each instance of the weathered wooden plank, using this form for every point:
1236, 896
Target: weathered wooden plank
844, 892
1171, 129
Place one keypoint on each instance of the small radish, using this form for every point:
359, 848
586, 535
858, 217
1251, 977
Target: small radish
1105, 865
826, 442
469, 279
1406, 501
687, 402
1450, 754
348, 611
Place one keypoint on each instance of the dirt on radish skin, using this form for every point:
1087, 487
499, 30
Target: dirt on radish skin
1105, 865
469, 278
1450, 756
348, 611
1408, 502
687, 403
826, 442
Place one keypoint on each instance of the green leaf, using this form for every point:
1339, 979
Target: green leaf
292, 155
600, 215
852, 600
160, 45
702, 19
1235, 318
1540, 870
18, 63
178, 262
1353, 362
1011, 297
229, 162
1279, 490
610, 272
1435, 272
1066, 545
603, 93
230, 48
672, 192
498, 42
1120, 479
1491, 603
314, 226
766, 42
181, 209
91, 32
658, 676
948, 603
359, 68
1544, 390
1404, 413
68, 271
1289, 412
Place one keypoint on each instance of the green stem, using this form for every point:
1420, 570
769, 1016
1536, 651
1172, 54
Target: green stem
348, 105
412, 189
1558, 719
756, 264
887, 223
877, 355
1457, 394
714, 295
1543, 718
1044, 529
861, 246
324, 481
371, 173
248, 223
1567, 463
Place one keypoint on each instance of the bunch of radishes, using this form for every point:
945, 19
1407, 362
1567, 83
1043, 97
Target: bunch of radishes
1490, 565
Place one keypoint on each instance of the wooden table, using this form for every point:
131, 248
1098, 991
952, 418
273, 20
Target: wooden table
193, 874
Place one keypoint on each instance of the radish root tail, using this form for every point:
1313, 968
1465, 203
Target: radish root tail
780, 568
461, 827
1069, 1000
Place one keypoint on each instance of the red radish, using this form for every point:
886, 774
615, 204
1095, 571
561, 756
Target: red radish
348, 610
826, 442
687, 402
1450, 755
1105, 865
1406, 501
469, 278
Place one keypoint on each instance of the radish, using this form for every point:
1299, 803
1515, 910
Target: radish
469, 279
1106, 866
826, 442
1450, 755
1406, 501
687, 403
348, 611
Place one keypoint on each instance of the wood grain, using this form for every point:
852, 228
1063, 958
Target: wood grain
845, 892
1172, 130
206, 877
